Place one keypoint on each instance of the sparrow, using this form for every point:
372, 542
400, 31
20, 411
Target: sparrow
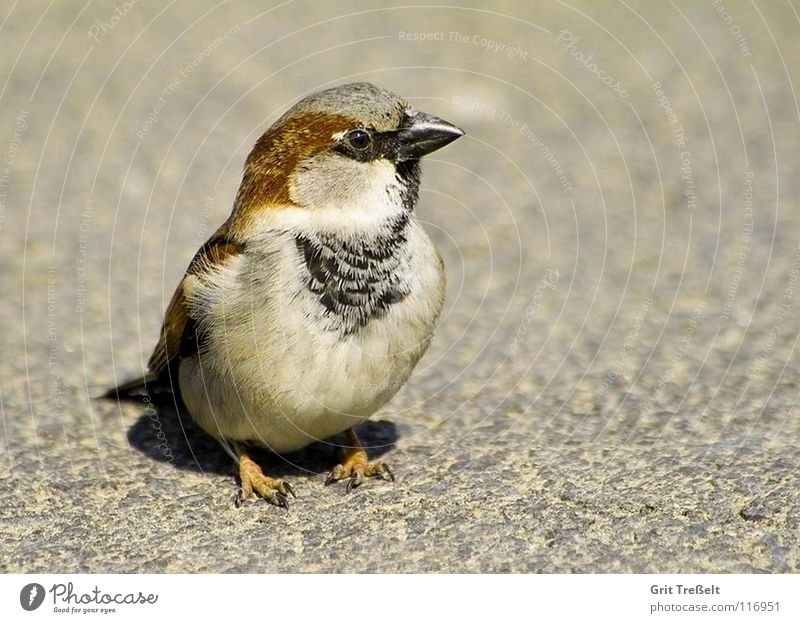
309, 307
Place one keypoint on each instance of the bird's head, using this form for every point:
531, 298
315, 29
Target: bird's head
351, 151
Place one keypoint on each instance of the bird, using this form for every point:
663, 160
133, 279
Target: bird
309, 307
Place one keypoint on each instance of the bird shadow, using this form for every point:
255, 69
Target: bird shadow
167, 434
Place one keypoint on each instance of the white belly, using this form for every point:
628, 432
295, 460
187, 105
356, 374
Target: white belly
273, 373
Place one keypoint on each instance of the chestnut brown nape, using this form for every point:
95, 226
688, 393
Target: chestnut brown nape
276, 154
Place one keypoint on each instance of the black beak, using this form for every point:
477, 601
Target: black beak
424, 134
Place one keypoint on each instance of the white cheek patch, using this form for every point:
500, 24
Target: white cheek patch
353, 196
334, 179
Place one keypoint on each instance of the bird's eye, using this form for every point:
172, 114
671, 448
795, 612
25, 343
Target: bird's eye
358, 139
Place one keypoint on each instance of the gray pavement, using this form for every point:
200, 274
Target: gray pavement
613, 386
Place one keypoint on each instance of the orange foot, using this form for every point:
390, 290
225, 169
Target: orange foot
355, 466
254, 482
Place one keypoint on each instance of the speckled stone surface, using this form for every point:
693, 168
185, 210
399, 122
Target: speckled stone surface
613, 387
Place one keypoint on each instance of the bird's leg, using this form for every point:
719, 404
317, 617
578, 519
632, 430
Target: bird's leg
355, 466
255, 482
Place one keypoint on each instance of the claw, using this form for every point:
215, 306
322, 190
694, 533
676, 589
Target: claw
387, 471
239, 499
289, 489
356, 479
334, 475
280, 500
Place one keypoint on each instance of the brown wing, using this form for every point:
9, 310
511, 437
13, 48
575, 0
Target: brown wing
175, 319
178, 324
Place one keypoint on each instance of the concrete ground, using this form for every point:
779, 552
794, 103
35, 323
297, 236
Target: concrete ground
613, 386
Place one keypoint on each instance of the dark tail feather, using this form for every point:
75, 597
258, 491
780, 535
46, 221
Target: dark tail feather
148, 385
